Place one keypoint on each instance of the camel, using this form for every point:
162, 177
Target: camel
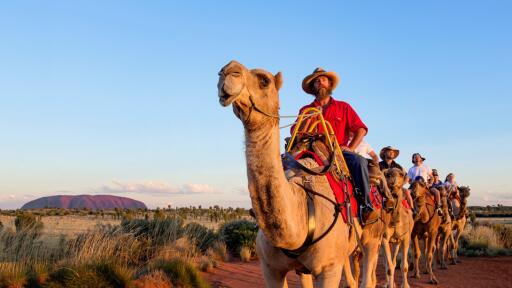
399, 225
279, 204
444, 236
426, 226
459, 219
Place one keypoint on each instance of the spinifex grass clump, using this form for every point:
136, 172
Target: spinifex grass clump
485, 240
181, 273
238, 234
12, 275
158, 231
202, 237
99, 275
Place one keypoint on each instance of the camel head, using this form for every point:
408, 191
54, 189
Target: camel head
395, 178
253, 93
464, 192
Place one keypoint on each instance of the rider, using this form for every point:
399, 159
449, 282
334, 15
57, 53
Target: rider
421, 170
388, 155
452, 191
343, 119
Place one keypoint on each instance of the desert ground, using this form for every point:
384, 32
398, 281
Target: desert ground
477, 272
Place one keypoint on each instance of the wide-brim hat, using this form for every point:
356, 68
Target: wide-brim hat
307, 83
413, 155
383, 152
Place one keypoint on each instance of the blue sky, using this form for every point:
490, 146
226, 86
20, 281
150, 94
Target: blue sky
120, 96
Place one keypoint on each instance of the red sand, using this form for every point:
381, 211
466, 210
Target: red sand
472, 272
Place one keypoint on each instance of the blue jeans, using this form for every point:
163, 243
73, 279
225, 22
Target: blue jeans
358, 167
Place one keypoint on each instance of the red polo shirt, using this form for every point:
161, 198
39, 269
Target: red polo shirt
342, 118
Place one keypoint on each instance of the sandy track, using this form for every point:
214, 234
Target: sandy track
472, 272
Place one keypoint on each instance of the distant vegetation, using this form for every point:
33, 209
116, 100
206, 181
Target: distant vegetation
491, 211
149, 248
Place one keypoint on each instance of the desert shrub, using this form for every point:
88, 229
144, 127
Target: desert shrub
24, 246
202, 237
154, 279
483, 240
239, 233
101, 274
206, 264
96, 246
12, 275
504, 233
245, 254
26, 221
159, 231
218, 251
182, 274
182, 248
37, 274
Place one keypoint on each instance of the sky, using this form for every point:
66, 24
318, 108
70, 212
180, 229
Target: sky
120, 97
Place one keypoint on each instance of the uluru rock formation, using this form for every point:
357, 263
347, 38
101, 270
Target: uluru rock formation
93, 202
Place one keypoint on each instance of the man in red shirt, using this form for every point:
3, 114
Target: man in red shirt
343, 120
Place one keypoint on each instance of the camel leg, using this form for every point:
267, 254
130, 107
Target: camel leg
442, 252
455, 259
306, 280
357, 267
387, 263
330, 277
273, 278
431, 246
374, 271
351, 282
425, 254
405, 264
417, 253
390, 265
370, 256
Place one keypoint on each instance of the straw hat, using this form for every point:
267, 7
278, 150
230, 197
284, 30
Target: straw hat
382, 153
307, 83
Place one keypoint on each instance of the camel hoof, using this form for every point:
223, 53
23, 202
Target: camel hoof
434, 281
444, 267
417, 276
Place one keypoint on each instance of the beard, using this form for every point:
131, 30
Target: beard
323, 93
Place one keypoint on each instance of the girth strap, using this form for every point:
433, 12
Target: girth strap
311, 221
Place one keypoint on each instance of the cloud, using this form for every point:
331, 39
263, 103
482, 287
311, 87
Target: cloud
154, 187
241, 190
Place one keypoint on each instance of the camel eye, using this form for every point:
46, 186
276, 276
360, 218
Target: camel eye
263, 80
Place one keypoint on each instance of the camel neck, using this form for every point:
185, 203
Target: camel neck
276, 204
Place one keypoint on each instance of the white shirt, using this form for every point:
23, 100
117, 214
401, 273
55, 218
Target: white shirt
364, 149
421, 170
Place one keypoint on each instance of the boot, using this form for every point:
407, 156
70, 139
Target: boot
439, 210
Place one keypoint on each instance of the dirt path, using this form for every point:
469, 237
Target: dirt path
472, 272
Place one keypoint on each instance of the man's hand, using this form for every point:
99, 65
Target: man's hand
346, 148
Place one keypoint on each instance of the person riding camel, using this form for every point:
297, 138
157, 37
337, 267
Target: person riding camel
343, 120
388, 155
421, 170
436, 182
452, 190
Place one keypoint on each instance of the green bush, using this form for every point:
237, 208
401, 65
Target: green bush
239, 233
201, 236
182, 274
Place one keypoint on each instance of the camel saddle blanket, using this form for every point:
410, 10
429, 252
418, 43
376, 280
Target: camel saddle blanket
342, 187
406, 205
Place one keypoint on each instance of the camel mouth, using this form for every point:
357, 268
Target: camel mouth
226, 99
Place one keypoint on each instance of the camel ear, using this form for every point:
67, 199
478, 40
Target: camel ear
278, 80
